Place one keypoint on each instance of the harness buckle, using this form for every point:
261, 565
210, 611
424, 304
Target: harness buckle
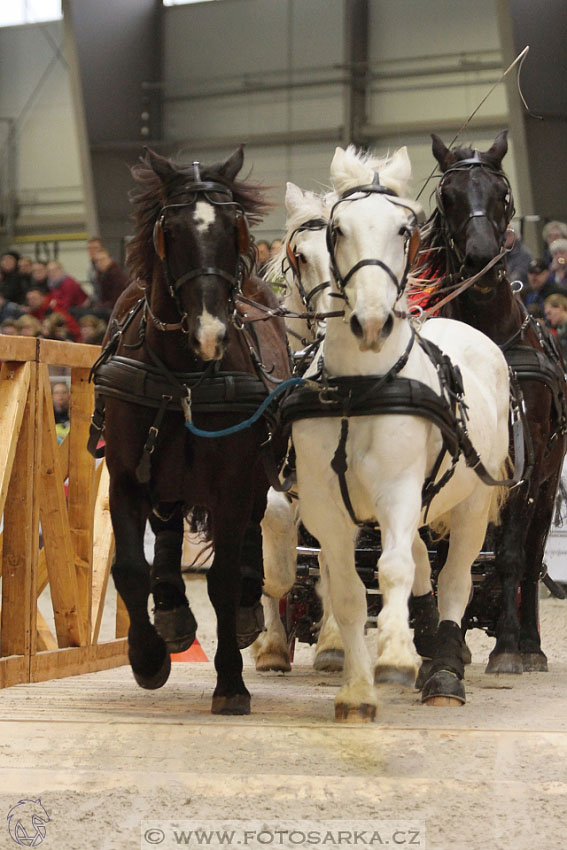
324, 392
186, 405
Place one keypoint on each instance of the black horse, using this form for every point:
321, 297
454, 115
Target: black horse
468, 230
180, 353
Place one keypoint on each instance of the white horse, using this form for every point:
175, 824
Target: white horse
390, 456
305, 261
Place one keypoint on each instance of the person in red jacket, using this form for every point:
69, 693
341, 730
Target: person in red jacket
68, 291
41, 305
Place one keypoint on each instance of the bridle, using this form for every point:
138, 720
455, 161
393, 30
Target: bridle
244, 244
509, 210
291, 262
411, 235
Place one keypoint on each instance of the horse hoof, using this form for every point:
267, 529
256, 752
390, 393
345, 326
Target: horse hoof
158, 680
505, 662
466, 655
329, 661
423, 674
273, 661
249, 624
443, 689
236, 704
387, 673
363, 713
177, 627
534, 662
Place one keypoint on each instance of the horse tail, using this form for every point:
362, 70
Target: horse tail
500, 494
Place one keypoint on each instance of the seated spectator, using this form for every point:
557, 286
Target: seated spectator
94, 245
28, 326
61, 398
11, 284
8, 327
558, 268
66, 289
556, 318
39, 275
25, 271
539, 288
43, 304
262, 255
275, 247
111, 281
54, 326
9, 310
93, 329
517, 261
553, 230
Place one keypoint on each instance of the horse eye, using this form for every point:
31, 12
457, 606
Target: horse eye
404, 230
336, 232
301, 257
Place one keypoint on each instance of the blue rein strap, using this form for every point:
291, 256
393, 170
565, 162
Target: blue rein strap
227, 432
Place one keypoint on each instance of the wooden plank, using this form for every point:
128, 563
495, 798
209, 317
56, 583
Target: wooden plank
73, 661
60, 559
18, 348
45, 640
103, 549
14, 670
81, 489
21, 536
74, 355
122, 618
14, 387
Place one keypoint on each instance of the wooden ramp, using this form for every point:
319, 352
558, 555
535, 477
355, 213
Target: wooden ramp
56, 521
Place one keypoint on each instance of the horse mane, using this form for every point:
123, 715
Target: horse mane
153, 192
358, 168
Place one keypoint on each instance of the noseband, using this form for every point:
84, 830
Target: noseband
411, 247
206, 189
509, 210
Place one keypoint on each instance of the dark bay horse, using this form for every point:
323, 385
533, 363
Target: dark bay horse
466, 231
180, 354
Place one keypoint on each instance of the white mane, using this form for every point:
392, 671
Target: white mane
352, 167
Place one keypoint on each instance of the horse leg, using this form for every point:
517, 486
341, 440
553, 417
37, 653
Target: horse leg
510, 564
468, 529
422, 604
270, 650
533, 658
173, 618
397, 657
279, 549
329, 652
147, 652
250, 614
224, 586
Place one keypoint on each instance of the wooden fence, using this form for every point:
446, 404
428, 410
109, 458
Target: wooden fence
56, 522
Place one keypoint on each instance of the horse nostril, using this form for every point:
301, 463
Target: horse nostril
355, 326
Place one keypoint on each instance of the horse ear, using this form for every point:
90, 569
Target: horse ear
402, 164
442, 154
337, 164
499, 147
230, 168
159, 164
293, 197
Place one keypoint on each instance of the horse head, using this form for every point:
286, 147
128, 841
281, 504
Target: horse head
372, 239
474, 199
304, 260
202, 247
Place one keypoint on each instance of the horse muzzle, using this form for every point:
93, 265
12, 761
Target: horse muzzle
371, 331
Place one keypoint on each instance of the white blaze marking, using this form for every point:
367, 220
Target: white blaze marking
204, 215
211, 331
